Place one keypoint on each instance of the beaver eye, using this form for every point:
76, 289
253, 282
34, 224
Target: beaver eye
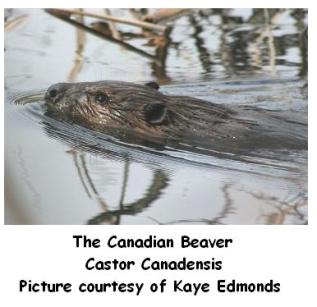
101, 98
52, 93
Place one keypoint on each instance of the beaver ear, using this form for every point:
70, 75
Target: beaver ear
153, 85
155, 113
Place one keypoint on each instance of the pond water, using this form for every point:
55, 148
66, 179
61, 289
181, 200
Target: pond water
58, 173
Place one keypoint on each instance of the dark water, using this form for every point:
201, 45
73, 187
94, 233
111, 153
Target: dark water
57, 173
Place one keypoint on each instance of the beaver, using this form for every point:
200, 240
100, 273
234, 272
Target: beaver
126, 109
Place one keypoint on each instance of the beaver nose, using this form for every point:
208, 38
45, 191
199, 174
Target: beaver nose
55, 92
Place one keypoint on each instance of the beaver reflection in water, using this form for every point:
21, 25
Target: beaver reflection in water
141, 111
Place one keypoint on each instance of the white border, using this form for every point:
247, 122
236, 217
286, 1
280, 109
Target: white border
26, 247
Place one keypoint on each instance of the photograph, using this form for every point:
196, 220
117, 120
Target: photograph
155, 116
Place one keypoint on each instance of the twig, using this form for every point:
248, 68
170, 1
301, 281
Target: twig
125, 182
115, 33
271, 46
159, 182
162, 15
80, 44
65, 17
136, 23
74, 154
10, 24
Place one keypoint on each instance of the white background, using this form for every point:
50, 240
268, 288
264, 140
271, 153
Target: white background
257, 254
286, 254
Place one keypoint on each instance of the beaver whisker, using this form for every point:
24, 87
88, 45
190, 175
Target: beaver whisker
118, 117
85, 109
123, 109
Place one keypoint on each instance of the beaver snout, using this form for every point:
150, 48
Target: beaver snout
56, 92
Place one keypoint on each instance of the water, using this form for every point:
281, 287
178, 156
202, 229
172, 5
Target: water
57, 173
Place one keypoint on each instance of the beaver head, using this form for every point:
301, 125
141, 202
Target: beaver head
109, 104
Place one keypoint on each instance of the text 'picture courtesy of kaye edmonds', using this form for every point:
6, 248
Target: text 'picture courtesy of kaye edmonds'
156, 116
